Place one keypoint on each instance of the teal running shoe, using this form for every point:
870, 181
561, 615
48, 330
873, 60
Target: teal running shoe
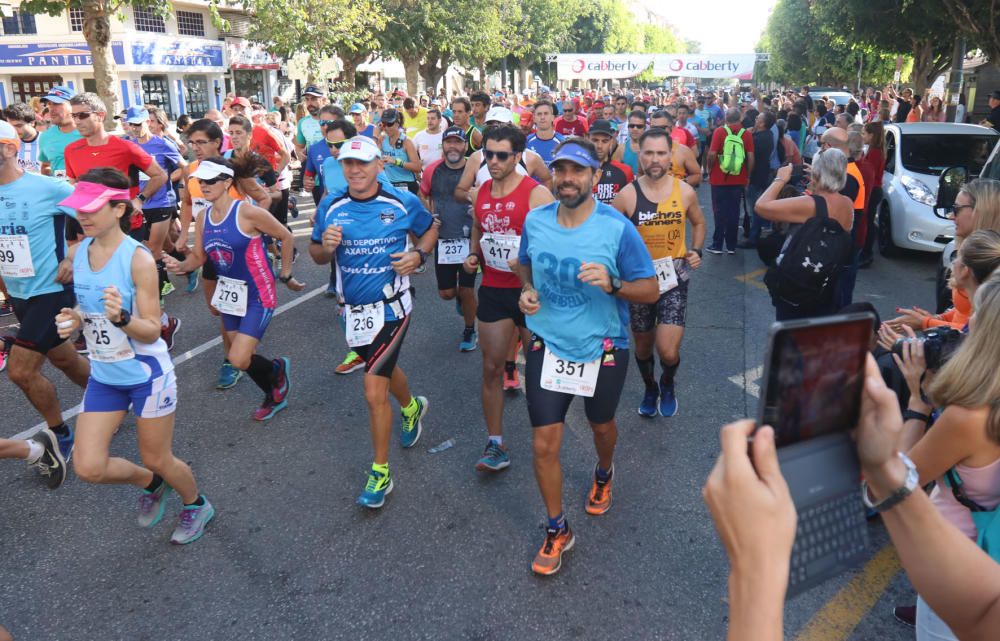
376, 488
152, 505
229, 376
495, 458
192, 523
410, 426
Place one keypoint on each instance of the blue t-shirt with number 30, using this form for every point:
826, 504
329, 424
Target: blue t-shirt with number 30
574, 317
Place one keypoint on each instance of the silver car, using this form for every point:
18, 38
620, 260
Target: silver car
916, 153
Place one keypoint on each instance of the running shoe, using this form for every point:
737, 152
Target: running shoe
65, 444
510, 380
376, 488
193, 279
168, 331
80, 343
228, 376
282, 380
410, 426
152, 504
192, 523
167, 289
352, 363
3, 359
730, 251
469, 340
51, 463
6, 307
650, 399
668, 402
599, 498
331, 291
495, 458
549, 558
712, 249
269, 408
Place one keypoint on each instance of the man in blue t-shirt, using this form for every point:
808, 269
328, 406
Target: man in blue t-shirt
581, 263
367, 228
61, 132
545, 139
32, 245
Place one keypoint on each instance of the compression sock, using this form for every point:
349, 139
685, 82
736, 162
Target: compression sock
161, 272
260, 371
647, 371
669, 371
155, 483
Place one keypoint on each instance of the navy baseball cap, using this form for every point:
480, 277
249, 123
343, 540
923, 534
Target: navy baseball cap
58, 94
576, 154
454, 132
313, 90
602, 126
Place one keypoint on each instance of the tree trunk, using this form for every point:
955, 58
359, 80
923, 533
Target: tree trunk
525, 71
923, 59
484, 81
411, 67
97, 33
432, 70
350, 70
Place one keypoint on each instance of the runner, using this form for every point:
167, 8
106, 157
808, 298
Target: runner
437, 191
660, 206
581, 264
60, 132
308, 130
312, 166
230, 236
501, 204
359, 115
683, 163
461, 111
545, 139
613, 175
115, 282
367, 227
627, 152
32, 244
428, 141
22, 118
206, 139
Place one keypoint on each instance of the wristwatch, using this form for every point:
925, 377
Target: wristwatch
910, 484
616, 285
125, 319
422, 253
142, 198
285, 279
700, 252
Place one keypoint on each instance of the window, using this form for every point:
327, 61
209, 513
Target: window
932, 154
190, 23
76, 19
890, 153
147, 20
19, 22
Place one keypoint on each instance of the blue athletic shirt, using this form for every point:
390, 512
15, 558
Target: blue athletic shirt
165, 153
151, 360
544, 148
374, 229
29, 206
575, 317
315, 155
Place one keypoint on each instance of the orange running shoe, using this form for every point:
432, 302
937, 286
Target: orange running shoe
549, 558
599, 499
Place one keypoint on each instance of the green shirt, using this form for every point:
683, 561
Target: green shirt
51, 144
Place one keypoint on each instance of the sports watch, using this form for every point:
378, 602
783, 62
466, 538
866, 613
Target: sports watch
616, 285
125, 319
910, 484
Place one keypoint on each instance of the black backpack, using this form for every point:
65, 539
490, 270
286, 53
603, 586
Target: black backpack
812, 262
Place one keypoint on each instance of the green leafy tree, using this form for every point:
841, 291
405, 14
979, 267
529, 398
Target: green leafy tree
979, 21
545, 27
605, 26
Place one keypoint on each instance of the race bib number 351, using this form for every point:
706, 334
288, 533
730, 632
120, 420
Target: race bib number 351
569, 377
15, 257
499, 249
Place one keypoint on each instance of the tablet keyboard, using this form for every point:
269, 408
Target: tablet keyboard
830, 536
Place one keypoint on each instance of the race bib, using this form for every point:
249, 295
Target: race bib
498, 249
107, 343
198, 207
666, 275
230, 296
569, 377
15, 257
364, 322
452, 251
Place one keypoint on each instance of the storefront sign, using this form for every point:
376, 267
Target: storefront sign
247, 55
175, 53
54, 54
574, 66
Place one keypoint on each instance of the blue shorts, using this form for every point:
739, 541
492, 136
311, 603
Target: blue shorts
253, 324
151, 399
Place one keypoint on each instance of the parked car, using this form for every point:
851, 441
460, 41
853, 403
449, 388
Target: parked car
838, 96
916, 154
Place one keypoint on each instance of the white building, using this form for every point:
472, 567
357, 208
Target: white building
182, 64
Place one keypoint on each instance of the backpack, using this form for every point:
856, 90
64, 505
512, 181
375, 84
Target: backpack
986, 521
733, 154
813, 259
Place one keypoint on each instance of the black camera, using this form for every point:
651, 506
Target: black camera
940, 344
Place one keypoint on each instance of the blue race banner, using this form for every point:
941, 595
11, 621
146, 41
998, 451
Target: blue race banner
53, 54
168, 52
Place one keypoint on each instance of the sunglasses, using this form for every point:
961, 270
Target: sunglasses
135, 124
502, 156
336, 145
82, 115
211, 181
389, 124
637, 126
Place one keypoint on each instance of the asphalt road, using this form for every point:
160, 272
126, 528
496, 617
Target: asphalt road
290, 556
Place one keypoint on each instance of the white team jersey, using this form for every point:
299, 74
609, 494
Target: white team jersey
27, 157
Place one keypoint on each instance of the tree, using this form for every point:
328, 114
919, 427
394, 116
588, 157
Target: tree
979, 20
605, 26
544, 28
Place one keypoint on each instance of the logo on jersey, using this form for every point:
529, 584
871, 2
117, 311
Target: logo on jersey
223, 258
387, 216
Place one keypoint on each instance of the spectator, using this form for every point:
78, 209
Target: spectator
760, 177
727, 189
872, 166
916, 111
935, 111
993, 119
570, 123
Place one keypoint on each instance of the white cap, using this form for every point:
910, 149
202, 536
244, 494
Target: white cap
208, 170
7, 131
360, 148
500, 114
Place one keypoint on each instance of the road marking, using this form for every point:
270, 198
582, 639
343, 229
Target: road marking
837, 619
183, 358
750, 278
748, 380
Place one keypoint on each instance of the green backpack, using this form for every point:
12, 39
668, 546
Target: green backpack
733, 154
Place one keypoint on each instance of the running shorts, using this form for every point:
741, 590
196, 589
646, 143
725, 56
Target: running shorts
449, 275
152, 399
499, 303
670, 309
254, 324
381, 354
37, 316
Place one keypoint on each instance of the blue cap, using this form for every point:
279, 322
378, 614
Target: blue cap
58, 94
357, 108
454, 132
576, 154
136, 115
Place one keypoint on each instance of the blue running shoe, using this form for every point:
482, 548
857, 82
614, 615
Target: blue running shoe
152, 504
469, 340
668, 402
66, 444
193, 279
192, 524
410, 426
495, 458
228, 376
647, 407
376, 488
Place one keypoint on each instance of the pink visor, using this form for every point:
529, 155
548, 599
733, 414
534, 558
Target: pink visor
89, 197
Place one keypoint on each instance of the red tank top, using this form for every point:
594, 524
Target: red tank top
503, 216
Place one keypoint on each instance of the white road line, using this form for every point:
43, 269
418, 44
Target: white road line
183, 358
748, 380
